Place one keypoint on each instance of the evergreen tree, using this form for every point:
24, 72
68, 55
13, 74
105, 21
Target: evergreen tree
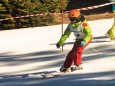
5, 12
16, 8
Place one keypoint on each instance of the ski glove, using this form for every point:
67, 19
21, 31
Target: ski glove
83, 43
57, 45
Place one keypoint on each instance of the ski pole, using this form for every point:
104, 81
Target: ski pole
97, 51
100, 52
63, 52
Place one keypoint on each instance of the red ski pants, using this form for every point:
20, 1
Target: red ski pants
75, 55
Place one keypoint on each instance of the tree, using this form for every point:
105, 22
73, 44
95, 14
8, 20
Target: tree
14, 8
5, 12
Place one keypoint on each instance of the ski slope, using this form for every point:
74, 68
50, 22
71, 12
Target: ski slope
33, 50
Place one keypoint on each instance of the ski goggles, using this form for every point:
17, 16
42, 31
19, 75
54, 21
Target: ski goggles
77, 19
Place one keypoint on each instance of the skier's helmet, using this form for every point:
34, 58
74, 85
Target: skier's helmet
74, 13
75, 16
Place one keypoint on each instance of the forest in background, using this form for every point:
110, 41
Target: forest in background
16, 8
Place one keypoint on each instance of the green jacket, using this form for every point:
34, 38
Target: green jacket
85, 29
111, 32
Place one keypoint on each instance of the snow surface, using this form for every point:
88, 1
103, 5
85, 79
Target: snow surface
33, 50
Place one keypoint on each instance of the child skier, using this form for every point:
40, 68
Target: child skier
111, 32
83, 34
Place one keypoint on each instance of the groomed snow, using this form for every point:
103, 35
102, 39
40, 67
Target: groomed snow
33, 50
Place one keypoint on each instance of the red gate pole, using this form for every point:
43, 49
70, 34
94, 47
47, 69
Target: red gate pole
62, 3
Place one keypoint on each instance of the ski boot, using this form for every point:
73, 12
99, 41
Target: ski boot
65, 70
74, 68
